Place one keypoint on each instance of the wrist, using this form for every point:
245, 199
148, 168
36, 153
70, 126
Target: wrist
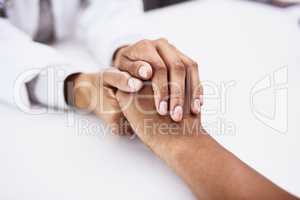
173, 146
69, 87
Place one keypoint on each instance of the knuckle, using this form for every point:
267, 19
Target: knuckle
198, 90
177, 99
177, 92
197, 93
179, 66
162, 40
144, 46
194, 64
201, 89
159, 66
145, 42
162, 90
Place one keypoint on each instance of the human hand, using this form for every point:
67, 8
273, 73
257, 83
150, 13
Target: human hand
195, 156
95, 93
152, 128
169, 69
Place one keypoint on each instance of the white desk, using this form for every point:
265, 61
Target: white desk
50, 156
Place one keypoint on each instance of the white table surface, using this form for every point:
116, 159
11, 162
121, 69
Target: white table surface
68, 156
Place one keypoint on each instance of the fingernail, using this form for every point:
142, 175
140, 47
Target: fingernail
177, 113
145, 71
201, 100
197, 105
163, 108
134, 84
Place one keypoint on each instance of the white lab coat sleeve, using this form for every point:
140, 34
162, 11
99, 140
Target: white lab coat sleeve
31, 72
104, 27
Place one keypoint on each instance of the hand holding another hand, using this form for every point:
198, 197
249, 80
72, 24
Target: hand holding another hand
96, 92
169, 71
152, 128
171, 74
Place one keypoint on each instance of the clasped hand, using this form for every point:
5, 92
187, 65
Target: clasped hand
169, 72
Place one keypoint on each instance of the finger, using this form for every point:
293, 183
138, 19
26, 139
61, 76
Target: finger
177, 75
196, 89
159, 80
160, 87
138, 69
146, 51
121, 80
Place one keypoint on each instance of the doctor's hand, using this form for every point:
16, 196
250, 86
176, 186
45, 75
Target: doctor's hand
168, 69
95, 93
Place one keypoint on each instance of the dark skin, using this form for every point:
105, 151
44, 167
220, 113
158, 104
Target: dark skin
155, 60
210, 171
168, 69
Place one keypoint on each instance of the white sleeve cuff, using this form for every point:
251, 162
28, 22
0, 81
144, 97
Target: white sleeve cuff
47, 88
105, 52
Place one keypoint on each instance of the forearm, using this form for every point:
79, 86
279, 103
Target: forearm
212, 172
98, 38
33, 71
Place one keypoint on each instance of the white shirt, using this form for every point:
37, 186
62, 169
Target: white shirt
36, 72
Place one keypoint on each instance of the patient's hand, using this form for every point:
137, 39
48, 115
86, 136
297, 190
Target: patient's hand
208, 169
169, 70
96, 93
152, 128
